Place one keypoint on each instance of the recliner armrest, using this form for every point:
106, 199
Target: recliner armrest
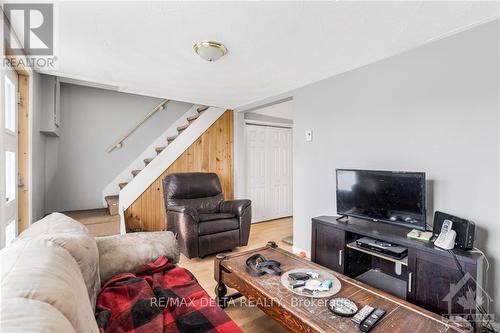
235, 207
185, 210
243, 210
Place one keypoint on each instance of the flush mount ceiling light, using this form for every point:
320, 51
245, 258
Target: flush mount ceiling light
210, 51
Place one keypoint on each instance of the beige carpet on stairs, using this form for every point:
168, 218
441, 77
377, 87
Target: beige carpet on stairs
98, 221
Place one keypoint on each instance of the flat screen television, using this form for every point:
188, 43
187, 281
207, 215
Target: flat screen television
382, 196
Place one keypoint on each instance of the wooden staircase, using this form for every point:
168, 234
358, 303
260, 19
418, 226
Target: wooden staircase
112, 200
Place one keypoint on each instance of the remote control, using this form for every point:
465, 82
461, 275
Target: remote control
367, 324
362, 314
298, 284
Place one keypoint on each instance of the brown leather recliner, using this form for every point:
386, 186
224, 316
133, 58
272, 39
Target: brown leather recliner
203, 221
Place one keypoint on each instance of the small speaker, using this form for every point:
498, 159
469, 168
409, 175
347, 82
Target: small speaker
465, 229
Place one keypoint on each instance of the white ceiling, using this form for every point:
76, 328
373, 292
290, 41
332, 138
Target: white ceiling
282, 110
274, 47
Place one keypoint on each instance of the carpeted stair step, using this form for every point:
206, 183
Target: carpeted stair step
171, 138
112, 201
202, 108
192, 118
98, 221
182, 128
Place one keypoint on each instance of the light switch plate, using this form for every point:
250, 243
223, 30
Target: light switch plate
309, 135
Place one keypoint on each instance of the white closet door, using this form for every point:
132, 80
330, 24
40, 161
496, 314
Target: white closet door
269, 171
256, 170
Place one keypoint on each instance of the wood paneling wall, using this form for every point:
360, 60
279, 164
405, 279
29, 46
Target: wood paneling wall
212, 152
22, 139
22, 155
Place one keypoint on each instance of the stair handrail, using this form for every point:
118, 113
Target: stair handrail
148, 152
119, 142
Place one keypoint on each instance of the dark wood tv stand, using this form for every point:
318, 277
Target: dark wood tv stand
422, 278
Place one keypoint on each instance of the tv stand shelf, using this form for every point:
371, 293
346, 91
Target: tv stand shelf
426, 273
353, 246
384, 282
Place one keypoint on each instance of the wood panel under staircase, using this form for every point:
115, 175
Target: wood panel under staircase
211, 152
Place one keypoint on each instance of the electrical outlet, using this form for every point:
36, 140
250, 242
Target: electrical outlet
309, 135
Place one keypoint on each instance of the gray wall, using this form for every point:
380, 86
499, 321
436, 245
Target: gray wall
37, 154
433, 109
2, 153
77, 164
239, 155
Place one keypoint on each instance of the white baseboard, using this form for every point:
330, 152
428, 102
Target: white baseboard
297, 250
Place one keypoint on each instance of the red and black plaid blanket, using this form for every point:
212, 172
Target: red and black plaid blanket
161, 297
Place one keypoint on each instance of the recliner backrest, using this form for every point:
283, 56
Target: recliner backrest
199, 190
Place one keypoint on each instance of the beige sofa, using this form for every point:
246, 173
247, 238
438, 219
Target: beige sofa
51, 274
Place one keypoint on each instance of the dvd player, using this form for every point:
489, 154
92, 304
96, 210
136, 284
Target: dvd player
388, 249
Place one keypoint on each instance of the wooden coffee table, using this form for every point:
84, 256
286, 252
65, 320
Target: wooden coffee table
305, 314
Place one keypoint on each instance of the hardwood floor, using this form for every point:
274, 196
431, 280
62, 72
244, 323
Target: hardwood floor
249, 319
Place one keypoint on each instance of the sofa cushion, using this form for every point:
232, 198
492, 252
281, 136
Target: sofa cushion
41, 270
21, 315
52, 224
215, 226
215, 216
74, 238
126, 253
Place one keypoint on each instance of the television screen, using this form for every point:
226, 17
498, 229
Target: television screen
385, 196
